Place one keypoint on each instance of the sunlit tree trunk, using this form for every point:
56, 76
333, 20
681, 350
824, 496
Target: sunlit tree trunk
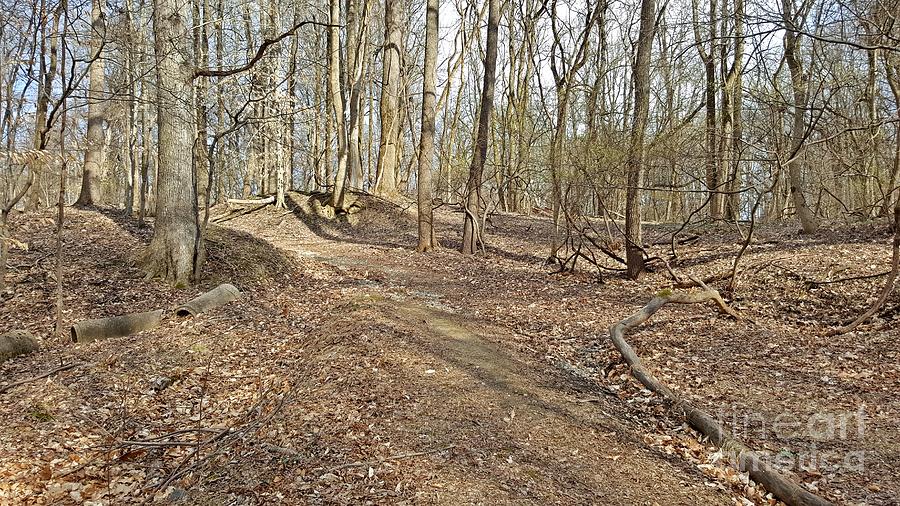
174, 253
337, 103
95, 142
472, 234
800, 94
389, 148
426, 140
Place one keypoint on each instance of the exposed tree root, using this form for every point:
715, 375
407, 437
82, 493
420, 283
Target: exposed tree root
744, 458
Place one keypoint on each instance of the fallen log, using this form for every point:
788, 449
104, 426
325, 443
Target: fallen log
216, 297
243, 202
15, 343
116, 326
240, 207
784, 488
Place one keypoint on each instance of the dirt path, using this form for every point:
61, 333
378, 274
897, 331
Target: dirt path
519, 430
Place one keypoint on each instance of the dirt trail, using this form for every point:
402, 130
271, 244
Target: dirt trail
520, 430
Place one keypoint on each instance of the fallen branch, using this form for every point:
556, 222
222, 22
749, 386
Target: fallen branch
244, 206
746, 460
369, 463
813, 282
244, 202
888, 283
47, 374
116, 326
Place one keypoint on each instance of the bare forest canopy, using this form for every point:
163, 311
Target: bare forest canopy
652, 111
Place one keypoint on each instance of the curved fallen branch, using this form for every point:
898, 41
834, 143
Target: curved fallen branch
888, 283
746, 459
116, 326
219, 295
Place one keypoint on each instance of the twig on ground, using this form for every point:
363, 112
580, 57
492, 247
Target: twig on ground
369, 463
47, 374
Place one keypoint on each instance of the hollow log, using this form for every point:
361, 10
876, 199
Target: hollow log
116, 326
219, 295
15, 343
745, 459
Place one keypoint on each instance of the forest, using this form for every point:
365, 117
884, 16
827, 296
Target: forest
450, 252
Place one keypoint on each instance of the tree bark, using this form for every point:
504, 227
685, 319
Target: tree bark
634, 251
337, 103
472, 235
389, 149
426, 140
175, 253
800, 91
95, 149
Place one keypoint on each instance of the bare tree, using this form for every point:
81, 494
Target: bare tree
426, 140
175, 252
634, 251
793, 19
95, 147
389, 144
337, 103
472, 233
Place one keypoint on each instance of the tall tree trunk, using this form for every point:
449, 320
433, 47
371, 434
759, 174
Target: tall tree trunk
94, 152
357, 40
800, 90
735, 85
893, 79
707, 56
337, 103
634, 254
389, 149
46, 77
175, 252
426, 140
472, 235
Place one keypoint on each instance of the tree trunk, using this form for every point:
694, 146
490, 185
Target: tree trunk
94, 152
634, 251
337, 103
46, 76
800, 89
175, 253
472, 235
389, 149
426, 140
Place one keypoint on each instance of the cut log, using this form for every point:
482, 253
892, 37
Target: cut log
15, 343
219, 295
745, 459
116, 326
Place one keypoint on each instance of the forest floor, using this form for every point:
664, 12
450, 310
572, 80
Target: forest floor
354, 370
